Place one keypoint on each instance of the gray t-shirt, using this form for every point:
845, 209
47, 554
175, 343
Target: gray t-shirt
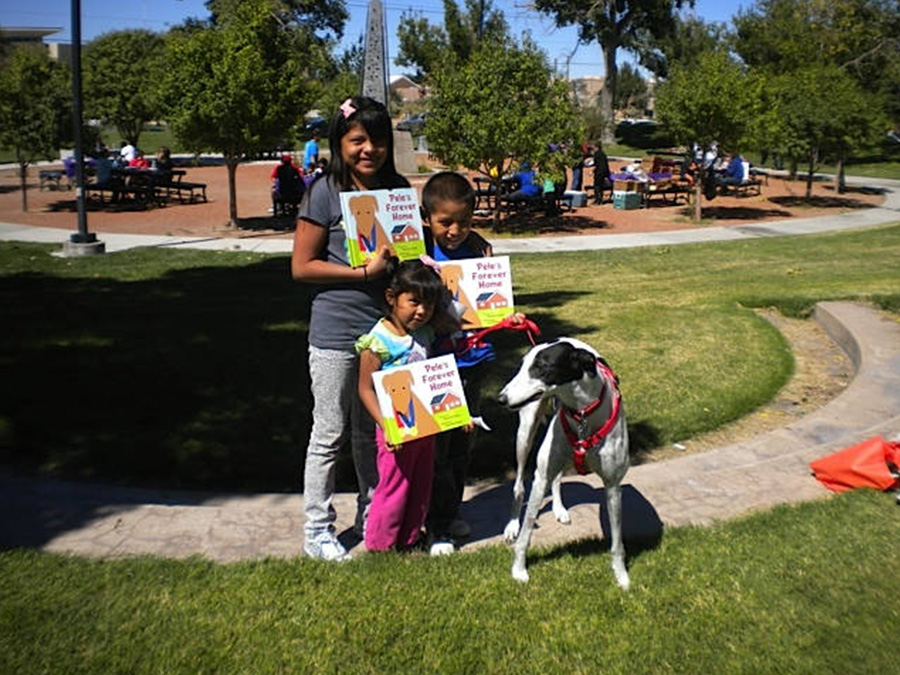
340, 312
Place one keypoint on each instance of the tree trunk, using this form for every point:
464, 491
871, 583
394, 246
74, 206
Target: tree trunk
841, 177
23, 181
607, 95
809, 175
231, 162
698, 195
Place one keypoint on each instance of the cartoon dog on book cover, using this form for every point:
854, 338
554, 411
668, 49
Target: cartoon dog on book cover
370, 233
451, 274
413, 418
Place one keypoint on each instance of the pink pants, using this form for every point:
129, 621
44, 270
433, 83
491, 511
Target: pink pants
400, 501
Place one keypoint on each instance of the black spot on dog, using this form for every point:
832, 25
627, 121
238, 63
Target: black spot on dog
560, 363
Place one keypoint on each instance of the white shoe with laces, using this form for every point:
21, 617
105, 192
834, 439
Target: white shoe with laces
325, 546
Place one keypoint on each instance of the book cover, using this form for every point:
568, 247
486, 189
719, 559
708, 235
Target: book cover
377, 218
421, 399
483, 286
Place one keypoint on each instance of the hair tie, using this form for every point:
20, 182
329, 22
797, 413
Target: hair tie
347, 108
428, 261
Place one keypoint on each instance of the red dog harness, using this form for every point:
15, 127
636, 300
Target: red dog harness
580, 446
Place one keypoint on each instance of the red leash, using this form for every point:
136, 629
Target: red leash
581, 446
477, 339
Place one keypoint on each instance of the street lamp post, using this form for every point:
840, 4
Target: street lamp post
81, 242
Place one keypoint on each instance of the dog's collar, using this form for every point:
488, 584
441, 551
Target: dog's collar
580, 446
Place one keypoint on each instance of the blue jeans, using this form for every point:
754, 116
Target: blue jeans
337, 411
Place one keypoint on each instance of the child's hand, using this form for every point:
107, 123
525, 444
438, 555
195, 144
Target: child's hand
378, 263
517, 319
469, 428
393, 448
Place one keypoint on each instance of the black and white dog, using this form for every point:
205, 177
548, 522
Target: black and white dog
568, 378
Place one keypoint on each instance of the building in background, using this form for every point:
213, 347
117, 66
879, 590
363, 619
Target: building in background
17, 35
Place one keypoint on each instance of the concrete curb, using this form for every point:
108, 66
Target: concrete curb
107, 522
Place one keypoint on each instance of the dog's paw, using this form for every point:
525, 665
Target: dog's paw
511, 531
520, 573
562, 514
621, 577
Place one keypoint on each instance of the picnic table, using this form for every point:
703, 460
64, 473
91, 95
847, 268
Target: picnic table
146, 187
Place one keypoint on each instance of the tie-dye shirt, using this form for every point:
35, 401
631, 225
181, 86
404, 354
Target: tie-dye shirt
396, 350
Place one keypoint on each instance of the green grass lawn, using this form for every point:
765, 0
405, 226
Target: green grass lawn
188, 368
806, 589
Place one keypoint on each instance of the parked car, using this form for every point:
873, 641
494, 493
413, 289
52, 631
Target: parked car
414, 123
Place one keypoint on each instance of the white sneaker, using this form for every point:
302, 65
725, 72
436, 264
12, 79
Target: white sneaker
441, 548
325, 546
459, 529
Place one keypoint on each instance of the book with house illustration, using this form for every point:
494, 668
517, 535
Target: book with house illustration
421, 399
376, 218
482, 286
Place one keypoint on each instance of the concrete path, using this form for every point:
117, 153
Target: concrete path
770, 469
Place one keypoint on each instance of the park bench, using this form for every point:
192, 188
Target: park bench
50, 179
109, 193
746, 188
670, 193
181, 188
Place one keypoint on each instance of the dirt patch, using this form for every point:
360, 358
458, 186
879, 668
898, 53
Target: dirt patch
780, 199
821, 372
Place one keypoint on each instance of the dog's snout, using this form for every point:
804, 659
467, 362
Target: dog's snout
502, 399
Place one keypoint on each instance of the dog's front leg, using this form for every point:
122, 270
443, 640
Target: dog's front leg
617, 548
529, 419
559, 509
548, 468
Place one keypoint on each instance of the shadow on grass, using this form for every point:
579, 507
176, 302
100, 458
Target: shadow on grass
642, 528
196, 379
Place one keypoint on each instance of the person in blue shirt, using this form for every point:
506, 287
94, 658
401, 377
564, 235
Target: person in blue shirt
311, 152
528, 187
734, 172
448, 205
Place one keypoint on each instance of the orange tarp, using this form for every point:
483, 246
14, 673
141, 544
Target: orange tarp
862, 465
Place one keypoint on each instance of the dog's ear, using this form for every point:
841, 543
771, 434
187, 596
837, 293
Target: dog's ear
586, 361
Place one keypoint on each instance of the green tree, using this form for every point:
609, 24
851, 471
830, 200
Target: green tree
860, 36
341, 82
235, 87
713, 101
501, 107
816, 112
631, 90
634, 25
426, 47
689, 38
35, 108
121, 72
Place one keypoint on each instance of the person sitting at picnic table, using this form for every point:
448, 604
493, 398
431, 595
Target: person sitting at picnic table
287, 185
527, 187
733, 173
139, 162
127, 152
164, 162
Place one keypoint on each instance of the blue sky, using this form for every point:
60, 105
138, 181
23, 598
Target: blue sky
99, 16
